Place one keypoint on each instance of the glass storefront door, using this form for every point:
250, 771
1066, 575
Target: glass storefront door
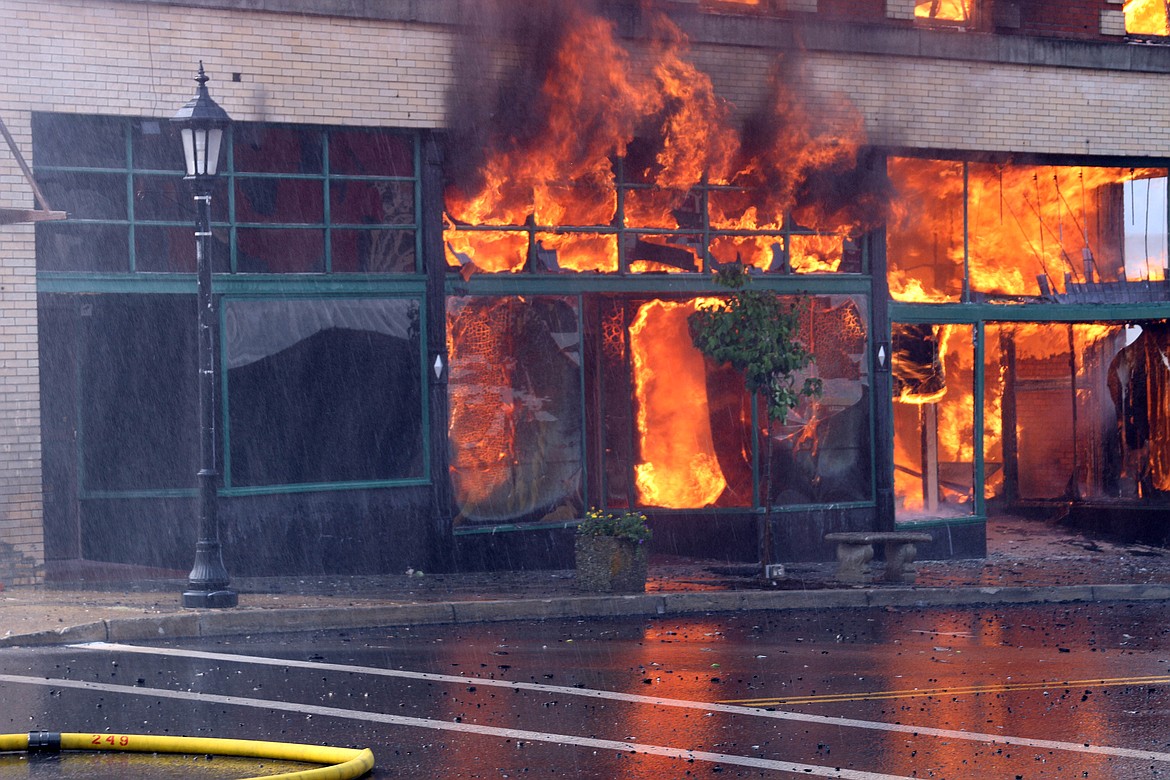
934, 383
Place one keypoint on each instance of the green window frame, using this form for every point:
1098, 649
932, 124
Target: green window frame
128, 196
134, 193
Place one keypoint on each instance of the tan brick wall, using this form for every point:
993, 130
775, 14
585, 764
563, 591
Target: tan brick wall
979, 106
922, 103
120, 58
1112, 21
900, 9
21, 541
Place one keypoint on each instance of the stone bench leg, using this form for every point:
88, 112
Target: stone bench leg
900, 562
851, 561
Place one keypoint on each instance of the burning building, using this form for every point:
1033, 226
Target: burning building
455, 286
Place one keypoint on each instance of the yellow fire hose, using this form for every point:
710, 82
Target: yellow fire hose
345, 763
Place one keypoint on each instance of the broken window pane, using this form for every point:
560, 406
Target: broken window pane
664, 254
925, 230
485, 250
681, 452
1074, 411
575, 252
822, 452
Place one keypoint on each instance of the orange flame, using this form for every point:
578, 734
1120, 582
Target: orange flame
678, 467
1033, 342
1024, 224
1146, 17
948, 10
594, 104
560, 172
546, 198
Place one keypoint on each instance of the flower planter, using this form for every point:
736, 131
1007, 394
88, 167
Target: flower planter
607, 564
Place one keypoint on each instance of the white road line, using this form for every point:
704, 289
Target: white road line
563, 690
804, 770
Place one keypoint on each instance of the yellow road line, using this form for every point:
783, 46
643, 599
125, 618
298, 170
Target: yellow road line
956, 691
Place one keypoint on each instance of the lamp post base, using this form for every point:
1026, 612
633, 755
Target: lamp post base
222, 598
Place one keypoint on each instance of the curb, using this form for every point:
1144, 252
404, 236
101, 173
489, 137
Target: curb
213, 623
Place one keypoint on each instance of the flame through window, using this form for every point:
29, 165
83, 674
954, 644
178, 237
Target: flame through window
1147, 17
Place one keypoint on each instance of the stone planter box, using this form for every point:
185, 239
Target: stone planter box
606, 564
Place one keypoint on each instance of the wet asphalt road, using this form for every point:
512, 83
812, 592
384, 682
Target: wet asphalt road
1041, 692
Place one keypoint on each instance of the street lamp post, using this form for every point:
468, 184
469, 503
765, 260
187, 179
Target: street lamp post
201, 122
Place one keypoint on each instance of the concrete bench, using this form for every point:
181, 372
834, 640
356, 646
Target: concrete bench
855, 550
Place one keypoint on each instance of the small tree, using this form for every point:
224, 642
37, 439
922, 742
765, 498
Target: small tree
757, 333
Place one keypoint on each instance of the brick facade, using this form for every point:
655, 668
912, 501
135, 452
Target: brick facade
21, 542
139, 58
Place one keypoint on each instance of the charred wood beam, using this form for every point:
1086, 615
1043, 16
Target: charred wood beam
675, 257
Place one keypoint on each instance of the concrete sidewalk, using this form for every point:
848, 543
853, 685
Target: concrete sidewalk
1027, 562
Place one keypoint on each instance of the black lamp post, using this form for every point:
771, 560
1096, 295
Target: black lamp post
202, 123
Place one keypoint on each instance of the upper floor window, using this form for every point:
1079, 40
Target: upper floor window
944, 10
1146, 17
291, 198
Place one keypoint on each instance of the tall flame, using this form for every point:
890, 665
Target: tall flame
678, 467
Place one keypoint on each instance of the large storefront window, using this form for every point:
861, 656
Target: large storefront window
322, 391
138, 406
318, 391
1070, 393
672, 430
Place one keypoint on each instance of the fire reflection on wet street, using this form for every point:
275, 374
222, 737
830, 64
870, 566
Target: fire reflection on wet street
1054, 691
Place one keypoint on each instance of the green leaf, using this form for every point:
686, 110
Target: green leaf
758, 335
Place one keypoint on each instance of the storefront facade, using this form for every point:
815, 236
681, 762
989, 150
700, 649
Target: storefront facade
454, 294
